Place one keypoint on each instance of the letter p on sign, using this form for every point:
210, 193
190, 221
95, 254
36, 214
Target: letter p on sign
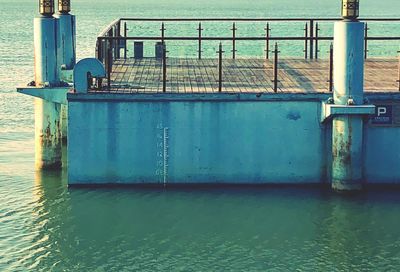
382, 111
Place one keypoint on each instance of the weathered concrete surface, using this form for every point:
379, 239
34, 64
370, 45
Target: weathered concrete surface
136, 139
47, 114
195, 142
47, 135
347, 131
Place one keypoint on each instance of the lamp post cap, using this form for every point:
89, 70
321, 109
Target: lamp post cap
350, 9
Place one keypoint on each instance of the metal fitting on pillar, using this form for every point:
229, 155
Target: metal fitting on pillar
64, 6
350, 9
46, 7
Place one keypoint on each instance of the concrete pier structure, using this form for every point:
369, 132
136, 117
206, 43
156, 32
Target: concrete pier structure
347, 130
47, 113
188, 120
66, 51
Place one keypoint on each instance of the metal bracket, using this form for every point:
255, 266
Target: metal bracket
67, 75
331, 110
55, 94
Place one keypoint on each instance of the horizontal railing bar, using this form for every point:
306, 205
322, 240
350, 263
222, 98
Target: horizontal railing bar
155, 38
248, 19
109, 27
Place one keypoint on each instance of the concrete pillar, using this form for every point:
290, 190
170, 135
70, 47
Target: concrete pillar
47, 114
347, 145
66, 50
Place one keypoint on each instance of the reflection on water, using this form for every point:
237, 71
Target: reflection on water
199, 230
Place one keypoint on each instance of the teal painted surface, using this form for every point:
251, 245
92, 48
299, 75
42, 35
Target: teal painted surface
45, 47
195, 142
250, 142
347, 130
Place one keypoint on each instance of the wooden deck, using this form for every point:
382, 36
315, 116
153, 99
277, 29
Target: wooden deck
189, 75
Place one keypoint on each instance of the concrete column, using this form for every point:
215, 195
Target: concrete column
347, 144
47, 114
66, 54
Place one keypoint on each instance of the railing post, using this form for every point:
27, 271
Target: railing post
109, 68
234, 40
311, 39
398, 72
276, 71
317, 29
99, 50
306, 41
267, 36
220, 52
366, 41
162, 33
200, 37
164, 68
331, 68
126, 41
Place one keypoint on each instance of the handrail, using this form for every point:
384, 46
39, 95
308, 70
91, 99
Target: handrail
248, 19
115, 37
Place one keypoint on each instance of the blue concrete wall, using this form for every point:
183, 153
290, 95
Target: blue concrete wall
126, 139
208, 142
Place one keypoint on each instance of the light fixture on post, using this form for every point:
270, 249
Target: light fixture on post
64, 6
46, 7
350, 9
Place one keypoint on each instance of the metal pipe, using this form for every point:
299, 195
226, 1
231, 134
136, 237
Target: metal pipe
220, 52
162, 32
267, 40
234, 41
276, 71
317, 29
164, 68
306, 41
331, 68
200, 36
311, 39
125, 40
109, 68
366, 41
219, 38
398, 73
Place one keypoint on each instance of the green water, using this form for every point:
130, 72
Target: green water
44, 226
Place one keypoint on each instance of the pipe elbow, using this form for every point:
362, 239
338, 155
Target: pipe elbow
85, 68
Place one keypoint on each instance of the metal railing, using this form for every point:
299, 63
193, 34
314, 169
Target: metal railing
112, 43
